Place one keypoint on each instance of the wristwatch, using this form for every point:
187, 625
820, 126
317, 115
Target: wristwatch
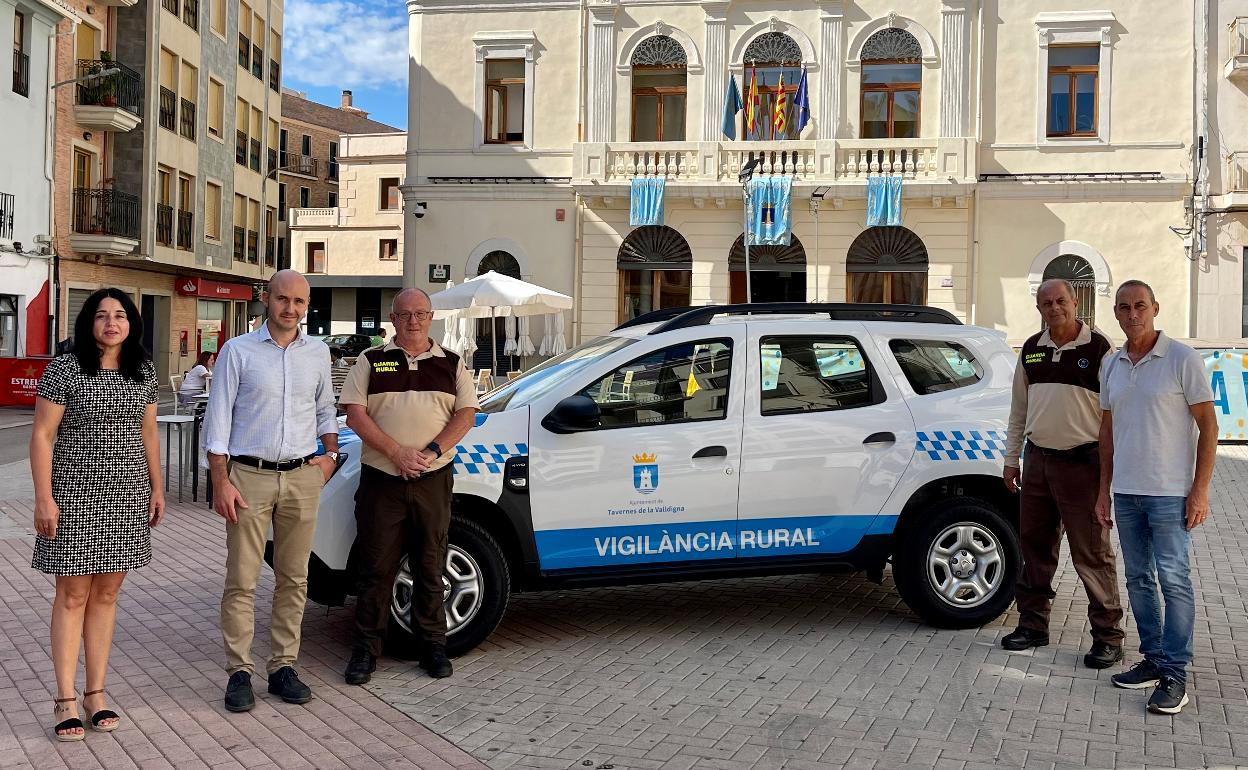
437, 450
332, 455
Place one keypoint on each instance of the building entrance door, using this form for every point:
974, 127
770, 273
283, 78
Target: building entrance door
777, 273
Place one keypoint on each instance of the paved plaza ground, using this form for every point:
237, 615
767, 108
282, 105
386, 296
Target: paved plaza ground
820, 671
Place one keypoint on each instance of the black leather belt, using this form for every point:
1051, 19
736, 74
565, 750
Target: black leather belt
1080, 452
269, 465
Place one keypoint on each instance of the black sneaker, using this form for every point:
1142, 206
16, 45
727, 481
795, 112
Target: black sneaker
1169, 698
1141, 676
1022, 638
435, 662
285, 684
361, 666
1103, 655
238, 693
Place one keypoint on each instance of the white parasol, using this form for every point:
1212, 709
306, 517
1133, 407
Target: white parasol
467, 342
450, 338
558, 345
509, 331
524, 345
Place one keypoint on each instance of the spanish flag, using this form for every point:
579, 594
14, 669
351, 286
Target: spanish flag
782, 107
751, 106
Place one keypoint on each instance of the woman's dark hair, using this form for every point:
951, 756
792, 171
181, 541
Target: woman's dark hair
202, 358
87, 350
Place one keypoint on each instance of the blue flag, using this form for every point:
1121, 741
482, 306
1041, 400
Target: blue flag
770, 215
802, 102
883, 200
732, 105
645, 205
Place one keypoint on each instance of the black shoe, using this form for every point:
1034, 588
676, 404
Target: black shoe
1022, 638
435, 662
1141, 676
361, 666
285, 684
238, 694
1103, 655
1169, 698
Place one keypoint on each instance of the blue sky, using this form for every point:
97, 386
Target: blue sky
359, 45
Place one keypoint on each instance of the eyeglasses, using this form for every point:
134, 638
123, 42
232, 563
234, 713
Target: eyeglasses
419, 315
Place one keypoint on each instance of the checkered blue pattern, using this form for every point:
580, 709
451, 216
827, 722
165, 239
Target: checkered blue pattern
486, 458
962, 444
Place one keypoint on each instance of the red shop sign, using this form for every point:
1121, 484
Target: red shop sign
19, 378
194, 286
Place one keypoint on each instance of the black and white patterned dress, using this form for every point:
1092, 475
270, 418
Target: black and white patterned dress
99, 471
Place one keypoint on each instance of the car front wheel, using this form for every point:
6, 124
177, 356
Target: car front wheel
475, 588
957, 564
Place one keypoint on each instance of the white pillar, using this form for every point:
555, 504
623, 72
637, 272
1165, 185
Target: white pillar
414, 75
831, 66
955, 66
715, 70
601, 115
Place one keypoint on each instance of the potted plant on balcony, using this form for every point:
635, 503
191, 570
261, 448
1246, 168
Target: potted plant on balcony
108, 84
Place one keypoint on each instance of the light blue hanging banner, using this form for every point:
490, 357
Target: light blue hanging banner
883, 200
645, 201
771, 215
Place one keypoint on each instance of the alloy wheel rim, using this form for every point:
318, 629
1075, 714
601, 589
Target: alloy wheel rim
461, 591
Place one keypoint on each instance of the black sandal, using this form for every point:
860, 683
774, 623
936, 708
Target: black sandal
101, 715
73, 723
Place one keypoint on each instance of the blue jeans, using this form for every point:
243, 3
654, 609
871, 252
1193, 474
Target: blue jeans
1155, 550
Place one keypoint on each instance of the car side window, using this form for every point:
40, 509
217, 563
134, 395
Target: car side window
814, 374
936, 366
682, 383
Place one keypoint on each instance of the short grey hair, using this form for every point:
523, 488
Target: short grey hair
1135, 282
1070, 288
404, 292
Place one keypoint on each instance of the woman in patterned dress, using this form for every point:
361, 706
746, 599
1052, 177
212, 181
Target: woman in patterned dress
95, 459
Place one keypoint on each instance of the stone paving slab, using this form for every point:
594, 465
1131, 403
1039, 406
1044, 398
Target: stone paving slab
829, 671
167, 677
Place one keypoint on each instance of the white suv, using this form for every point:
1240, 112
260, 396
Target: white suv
726, 441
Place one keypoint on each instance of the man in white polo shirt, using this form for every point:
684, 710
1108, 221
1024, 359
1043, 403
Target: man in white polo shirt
1159, 438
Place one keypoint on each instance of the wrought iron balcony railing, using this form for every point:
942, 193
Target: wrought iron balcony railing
7, 203
21, 73
239, 243
186, 229
106, 212
123, 89
186, 124
164, 224
168, 109
240, 147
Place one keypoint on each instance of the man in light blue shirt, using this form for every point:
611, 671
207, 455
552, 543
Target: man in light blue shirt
271, 397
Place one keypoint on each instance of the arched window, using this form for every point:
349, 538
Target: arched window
892, 74
659, 90
777, 273
771, 56
886, 264
500, 262
1082, 279
655, 265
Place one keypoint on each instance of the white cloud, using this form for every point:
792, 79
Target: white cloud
344, 44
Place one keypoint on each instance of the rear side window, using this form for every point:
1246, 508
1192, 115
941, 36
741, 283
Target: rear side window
814, 374
935, 366
683, 383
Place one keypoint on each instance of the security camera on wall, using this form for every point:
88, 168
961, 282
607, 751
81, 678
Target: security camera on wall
419, 209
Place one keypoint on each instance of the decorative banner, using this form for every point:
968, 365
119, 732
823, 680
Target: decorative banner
645, 201
770, 215
1228, 376
19, 379
883, 200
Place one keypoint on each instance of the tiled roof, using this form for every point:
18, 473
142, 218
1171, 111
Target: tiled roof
312, 113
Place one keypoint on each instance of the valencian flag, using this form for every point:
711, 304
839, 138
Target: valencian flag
732, 105
778, 119
802, 103
751, 105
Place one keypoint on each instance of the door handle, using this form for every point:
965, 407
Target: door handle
883, 437
711, 451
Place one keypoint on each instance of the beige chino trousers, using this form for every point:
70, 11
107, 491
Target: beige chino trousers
288, 502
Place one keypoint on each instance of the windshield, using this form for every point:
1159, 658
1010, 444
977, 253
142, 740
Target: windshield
540, 379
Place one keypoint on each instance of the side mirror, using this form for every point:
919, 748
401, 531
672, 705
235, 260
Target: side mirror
573, 414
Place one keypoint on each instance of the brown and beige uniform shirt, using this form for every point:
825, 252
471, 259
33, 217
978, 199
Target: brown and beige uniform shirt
411, 398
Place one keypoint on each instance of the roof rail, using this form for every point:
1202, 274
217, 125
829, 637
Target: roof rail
685, 317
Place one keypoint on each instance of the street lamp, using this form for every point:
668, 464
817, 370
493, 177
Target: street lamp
747, 173
104, 73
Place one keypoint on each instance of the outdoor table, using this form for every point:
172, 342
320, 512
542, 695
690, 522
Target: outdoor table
180, 421
201, 403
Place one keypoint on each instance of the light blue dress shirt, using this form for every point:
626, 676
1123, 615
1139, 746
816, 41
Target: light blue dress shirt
267, 402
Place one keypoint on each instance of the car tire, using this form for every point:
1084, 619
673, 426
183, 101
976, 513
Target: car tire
471, 550
956, 564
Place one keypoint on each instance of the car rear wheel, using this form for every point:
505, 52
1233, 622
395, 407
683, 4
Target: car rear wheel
475, 587
957, 564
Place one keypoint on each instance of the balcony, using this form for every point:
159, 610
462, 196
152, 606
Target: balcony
186, 230
240, 147
272, 162
1236, 67
257, 62
1235, 184
190, 14
255, 154
239, 242
712, 167
186, 122
111, 102
105, 222
275, 76
168, 109
305, 165
21, 73
244, 51
270, 251
164, 224
7, 204
253, 247
313, 218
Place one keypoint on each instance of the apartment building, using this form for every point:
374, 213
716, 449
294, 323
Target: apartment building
26, 266
309, 151
1032, 140
350, 250
166, 165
